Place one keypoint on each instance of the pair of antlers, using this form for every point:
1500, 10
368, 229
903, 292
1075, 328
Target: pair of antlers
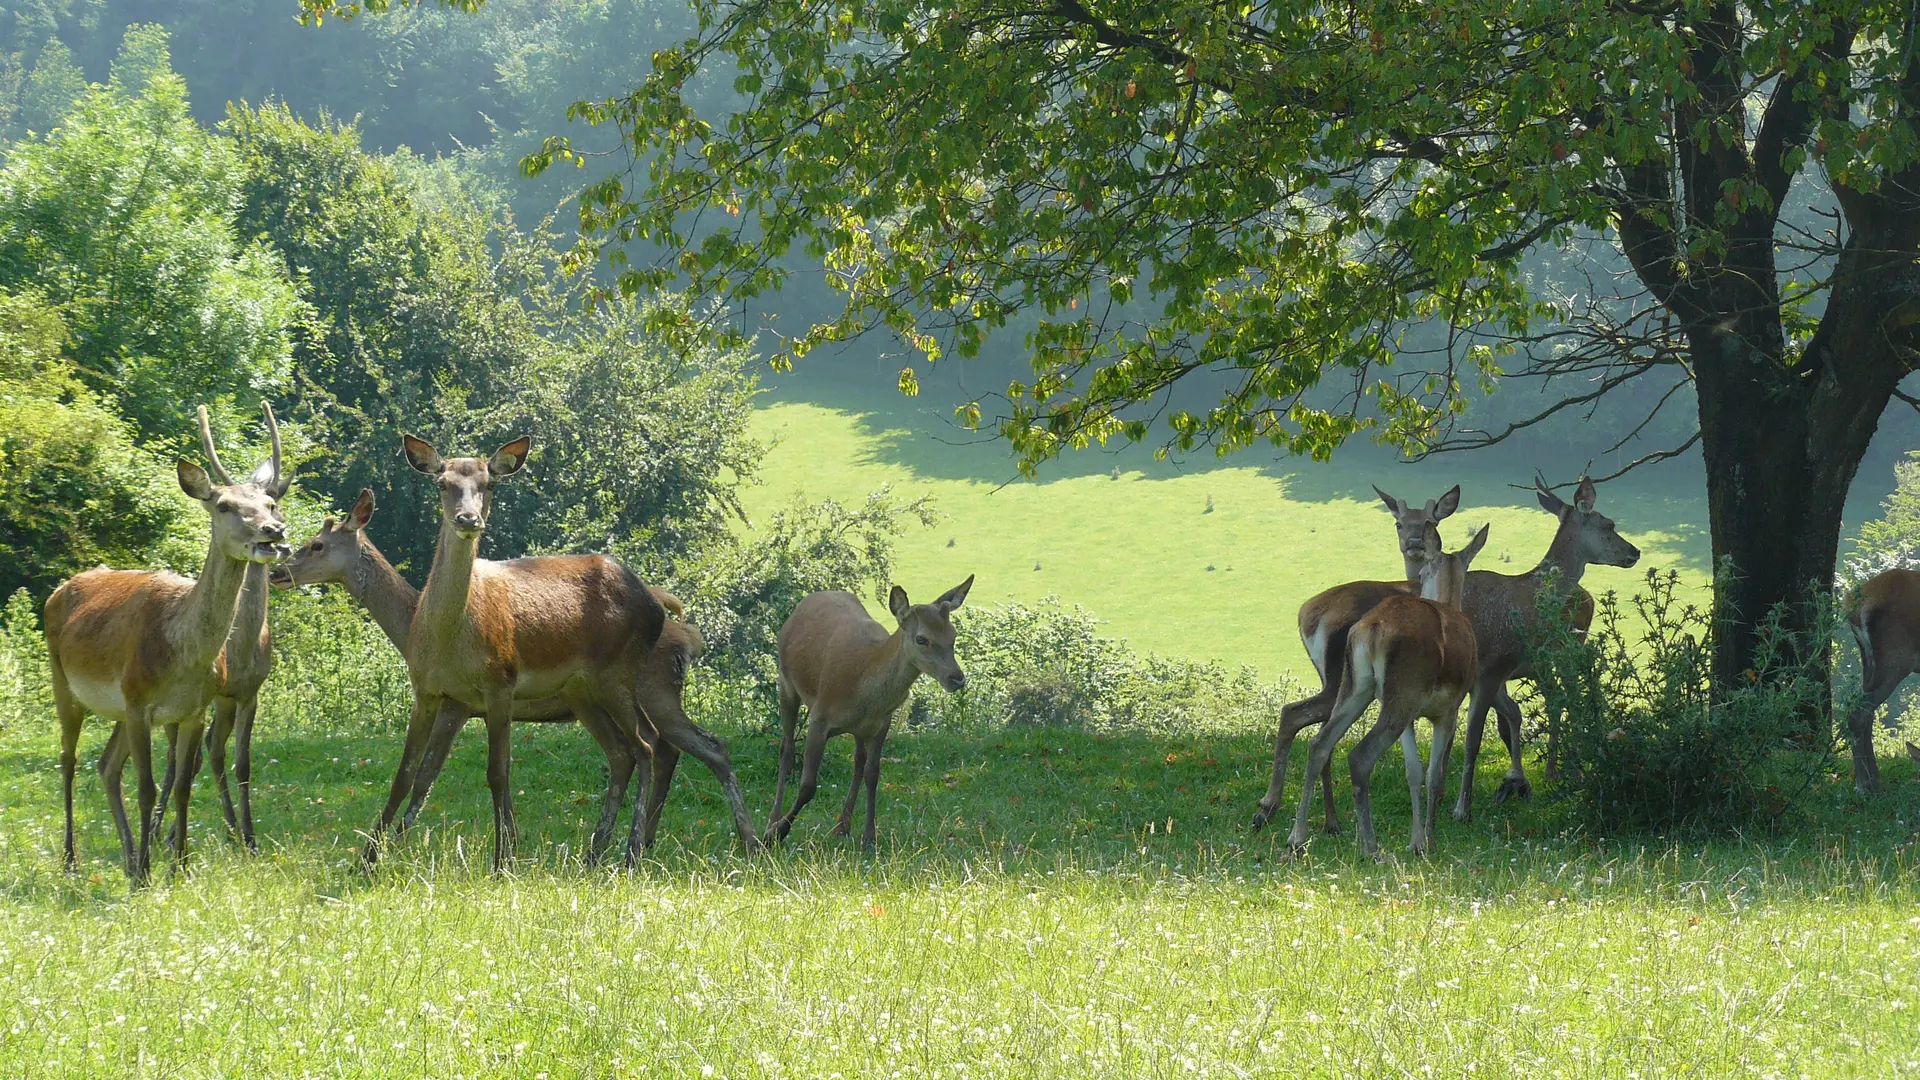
213, 456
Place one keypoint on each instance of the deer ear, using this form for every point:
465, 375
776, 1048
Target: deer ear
1548, 500
955, 596
193, 479
1473, 547
1393, 504
421, 455
1583, 495
362, 511
1445, 505
897, 603
507, 460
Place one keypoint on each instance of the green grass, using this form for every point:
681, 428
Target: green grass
1043, 903
1142, 552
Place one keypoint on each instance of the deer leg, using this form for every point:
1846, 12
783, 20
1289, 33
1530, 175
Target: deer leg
1476, 728
185, 751
139, 735
113, 763
845, 824
447, 722
873, 784
627, 725
666, 758
217, 735
1320, 751
679, 733
809, 776
1514, 785
72, 716
1298, 715
1866, 766
1361, 761
1437, 755
500, 772
243, 769
419, 728
789, 721
166, 783
620, 766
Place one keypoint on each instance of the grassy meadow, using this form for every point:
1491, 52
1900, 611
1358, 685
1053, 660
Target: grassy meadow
1044, 901
1133, 539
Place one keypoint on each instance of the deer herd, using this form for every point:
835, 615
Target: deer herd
579, 638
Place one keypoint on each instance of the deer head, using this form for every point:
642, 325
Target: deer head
927, 633
466, 484
333, 552
1594, 534
247, 526
1444, 578
1418, 527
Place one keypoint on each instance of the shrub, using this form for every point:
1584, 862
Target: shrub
26, 695
333, 668
1646, 743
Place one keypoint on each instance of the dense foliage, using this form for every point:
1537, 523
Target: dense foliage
1645, 743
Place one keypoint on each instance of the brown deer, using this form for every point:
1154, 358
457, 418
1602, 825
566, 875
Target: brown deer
343, 552
246, 663
1324, 622
1884, 616
853, 677
576, 627
146, 649
1415, 655
1504, 608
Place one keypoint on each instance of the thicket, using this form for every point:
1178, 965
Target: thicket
1641, 740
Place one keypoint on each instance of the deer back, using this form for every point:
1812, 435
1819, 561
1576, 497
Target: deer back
1886, 621
1327, 618
1416, 645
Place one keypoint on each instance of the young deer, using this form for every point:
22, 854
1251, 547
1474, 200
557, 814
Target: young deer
853, 677
246, 661
1325, 621
1885, 620
576, 627
145, 649
1505, 607
1415, 655
343, 552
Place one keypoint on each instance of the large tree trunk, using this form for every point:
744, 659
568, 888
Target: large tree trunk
1781, 445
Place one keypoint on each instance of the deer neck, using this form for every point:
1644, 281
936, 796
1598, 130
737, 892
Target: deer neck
387, 596
894, 676
1413, 567
250, 616
443, 603
1564, 555
210, 606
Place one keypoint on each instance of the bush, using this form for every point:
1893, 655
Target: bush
26, 694
1645, 742
1049, 665
333, 667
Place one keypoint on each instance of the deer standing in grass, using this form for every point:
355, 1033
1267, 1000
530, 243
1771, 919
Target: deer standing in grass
1885, 620
245, 664
1325, 621
147, 649
343, 552
1504, 609
853, 676
576, 627
1415, 655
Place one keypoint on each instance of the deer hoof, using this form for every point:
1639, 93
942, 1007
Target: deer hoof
1260, 819
1332, 827
840, 829
1513, 787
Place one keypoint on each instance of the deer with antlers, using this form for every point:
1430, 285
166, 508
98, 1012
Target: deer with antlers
575, 627
853, 676
1504, 609
1415, 655
343, 552
148, 649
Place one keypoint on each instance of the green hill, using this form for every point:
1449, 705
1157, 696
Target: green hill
1134, 540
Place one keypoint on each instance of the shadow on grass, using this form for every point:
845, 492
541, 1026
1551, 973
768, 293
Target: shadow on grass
1010, 801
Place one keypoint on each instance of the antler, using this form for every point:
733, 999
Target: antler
273, 429
213, 456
